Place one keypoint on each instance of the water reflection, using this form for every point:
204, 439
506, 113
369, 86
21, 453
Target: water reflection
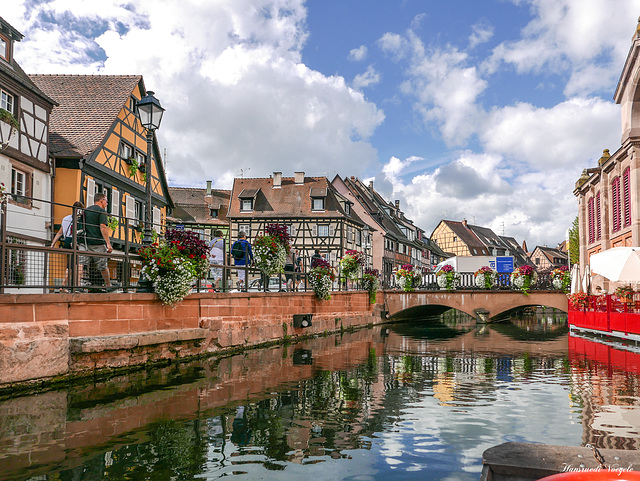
426, 397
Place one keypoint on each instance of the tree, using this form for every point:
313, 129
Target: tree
574, 243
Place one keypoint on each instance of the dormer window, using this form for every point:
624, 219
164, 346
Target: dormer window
4, 48
133, 104
247, 199
318, 196
347, 208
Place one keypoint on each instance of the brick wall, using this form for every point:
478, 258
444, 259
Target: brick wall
49, 335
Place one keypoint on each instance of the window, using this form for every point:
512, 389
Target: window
20, 186
626, 196
615, 202
141, 158
138, 211
7, 101
598, 232
4, 48
590, 220
537, 261
126, 151
213, 213
133, 104
246, 228
323, 230
347, 208
246, 205
317, 203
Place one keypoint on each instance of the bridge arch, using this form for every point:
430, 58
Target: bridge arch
484, 305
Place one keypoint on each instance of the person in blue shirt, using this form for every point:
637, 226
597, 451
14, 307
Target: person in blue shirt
242, 256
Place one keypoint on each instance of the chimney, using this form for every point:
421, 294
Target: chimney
371, 185
464, 223
208, 187
277, 180
299, 177
397, 204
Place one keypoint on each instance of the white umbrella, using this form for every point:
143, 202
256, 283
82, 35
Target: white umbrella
586, 280
576, 285
620, 264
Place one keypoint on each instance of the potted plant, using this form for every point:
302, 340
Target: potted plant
270, 250
133, 166
579, 300
6, 116
175, 264
485, 277
561, 278
350, 264
370, 283
523, 278
447, 277
408, 278
112, 222
320, 279
625, 293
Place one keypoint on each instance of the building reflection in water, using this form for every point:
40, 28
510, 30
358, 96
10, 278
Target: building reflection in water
434, 393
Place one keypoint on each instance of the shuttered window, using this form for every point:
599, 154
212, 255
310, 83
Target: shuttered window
157, 221
626, 195
598, 217
91, 191
115, 202
615, 203
591, 221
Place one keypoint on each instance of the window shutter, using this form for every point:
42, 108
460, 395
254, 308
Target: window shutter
332, 230
598, 218
292, 230
130, 206
314, 230
91, 191
156, 219
115, 202
36, 189
615, 194
332, 256
626, 196
590, 220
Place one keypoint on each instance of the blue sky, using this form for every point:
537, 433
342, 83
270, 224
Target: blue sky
485, 110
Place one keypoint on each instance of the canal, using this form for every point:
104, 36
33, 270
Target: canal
417, 400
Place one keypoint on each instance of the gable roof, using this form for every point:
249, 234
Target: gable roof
192, 205
88, 107
551, 253
466, 235
287, 201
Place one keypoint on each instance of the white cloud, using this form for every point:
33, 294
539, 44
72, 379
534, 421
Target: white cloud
358, 54
366, 79
481, 32
229, 75
568, 35
394, 45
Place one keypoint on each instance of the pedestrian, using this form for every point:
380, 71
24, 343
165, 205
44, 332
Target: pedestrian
297, 276
315, 257
289, 267
97, 237
66, 235
242, 256
216, 257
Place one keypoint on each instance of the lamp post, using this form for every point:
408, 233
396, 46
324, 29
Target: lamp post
365, 235
150, 115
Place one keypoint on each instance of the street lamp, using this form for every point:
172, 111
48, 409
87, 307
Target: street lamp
365, 235
150, 113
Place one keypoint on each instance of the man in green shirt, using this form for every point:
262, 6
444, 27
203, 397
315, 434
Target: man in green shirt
97, 236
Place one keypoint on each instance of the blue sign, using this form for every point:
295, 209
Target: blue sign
504, 264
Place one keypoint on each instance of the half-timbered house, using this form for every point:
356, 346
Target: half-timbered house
98, 145
318, 217
202, 211
25, 169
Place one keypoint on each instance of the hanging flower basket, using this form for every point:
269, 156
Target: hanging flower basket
561, 279
350, 264
447, 278
175, 265
270, 250
625, 294
408, 278
485, 278
370, 283
320, 279
523, 278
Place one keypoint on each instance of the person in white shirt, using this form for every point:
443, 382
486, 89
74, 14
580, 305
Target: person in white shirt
216, 257
66, 235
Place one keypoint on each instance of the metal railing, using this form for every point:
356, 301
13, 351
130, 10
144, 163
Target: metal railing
27, 266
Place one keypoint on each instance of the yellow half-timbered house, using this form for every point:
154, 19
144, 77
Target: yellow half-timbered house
317, 215
98, 145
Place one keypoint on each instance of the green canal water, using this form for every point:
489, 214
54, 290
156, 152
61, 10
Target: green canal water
419, 400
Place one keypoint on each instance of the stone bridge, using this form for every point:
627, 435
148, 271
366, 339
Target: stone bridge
483, 305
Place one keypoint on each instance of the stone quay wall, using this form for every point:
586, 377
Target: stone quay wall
51, 336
